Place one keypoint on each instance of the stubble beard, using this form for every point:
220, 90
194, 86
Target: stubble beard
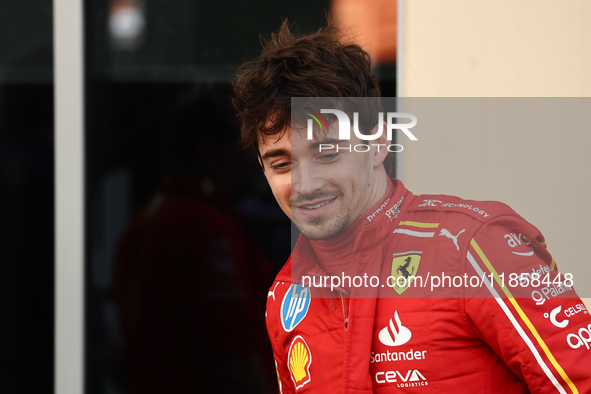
324, 228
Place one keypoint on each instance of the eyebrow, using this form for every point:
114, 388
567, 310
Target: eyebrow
274, 153
330, 141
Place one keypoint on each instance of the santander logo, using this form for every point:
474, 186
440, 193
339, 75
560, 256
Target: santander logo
394, 335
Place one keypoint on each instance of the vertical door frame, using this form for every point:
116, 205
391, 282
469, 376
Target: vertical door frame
68, 80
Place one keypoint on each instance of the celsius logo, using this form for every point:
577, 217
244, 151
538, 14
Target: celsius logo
552, 316
294, 306
344, 124
392, 336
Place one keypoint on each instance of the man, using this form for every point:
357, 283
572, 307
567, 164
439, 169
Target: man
369, 300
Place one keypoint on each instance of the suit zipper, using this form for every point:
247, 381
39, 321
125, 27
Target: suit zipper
344, 314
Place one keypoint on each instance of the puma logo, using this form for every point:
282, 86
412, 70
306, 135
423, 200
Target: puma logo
272, 293
454, 238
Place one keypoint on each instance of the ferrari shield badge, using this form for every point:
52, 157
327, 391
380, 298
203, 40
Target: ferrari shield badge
404, 268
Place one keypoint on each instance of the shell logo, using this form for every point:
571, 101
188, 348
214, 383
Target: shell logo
300, 359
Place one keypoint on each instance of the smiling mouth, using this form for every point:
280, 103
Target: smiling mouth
316, 206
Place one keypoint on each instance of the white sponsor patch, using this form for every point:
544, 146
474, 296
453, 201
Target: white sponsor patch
412, 233
411, 378
552, 315
395, 334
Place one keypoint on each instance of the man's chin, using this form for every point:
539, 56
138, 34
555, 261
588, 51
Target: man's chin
319, 229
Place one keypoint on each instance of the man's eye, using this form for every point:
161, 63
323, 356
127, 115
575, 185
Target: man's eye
329, 156
280, 166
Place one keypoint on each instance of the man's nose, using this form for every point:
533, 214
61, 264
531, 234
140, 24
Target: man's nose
306, 179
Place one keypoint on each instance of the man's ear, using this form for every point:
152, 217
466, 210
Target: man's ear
380, 151
261, 162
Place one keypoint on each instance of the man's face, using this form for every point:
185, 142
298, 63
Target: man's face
323, 192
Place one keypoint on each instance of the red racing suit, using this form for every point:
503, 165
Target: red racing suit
504, 322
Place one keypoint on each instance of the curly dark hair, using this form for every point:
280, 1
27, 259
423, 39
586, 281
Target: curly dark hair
321, 64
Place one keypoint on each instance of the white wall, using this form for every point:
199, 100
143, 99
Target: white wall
506, 48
